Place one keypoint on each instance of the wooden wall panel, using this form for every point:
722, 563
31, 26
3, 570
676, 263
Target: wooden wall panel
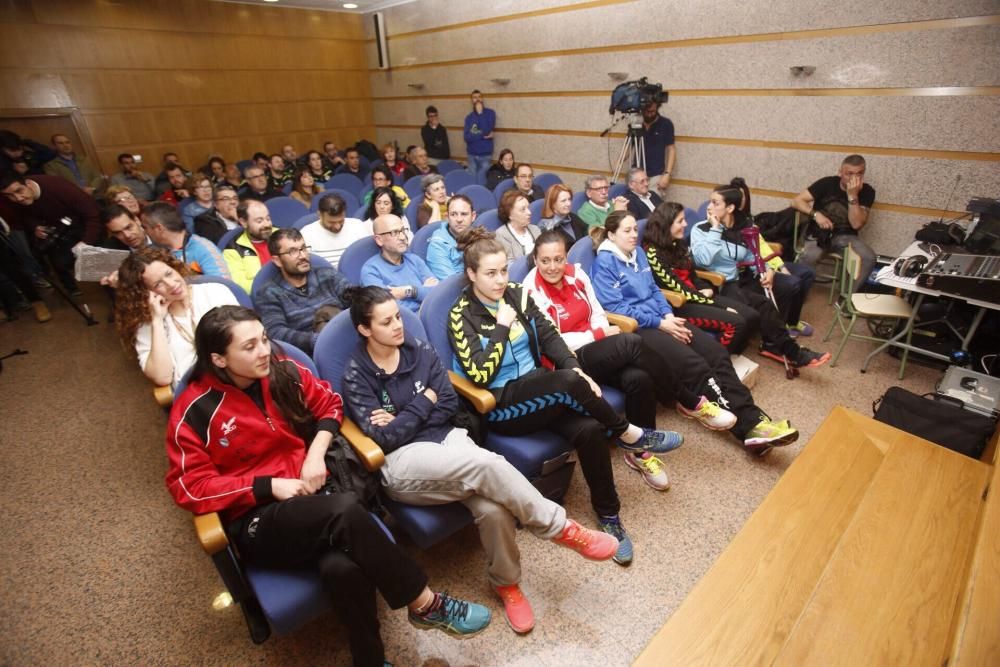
191, 76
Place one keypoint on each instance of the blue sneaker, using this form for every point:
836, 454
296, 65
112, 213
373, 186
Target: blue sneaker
456, 617
612, 525
654, 442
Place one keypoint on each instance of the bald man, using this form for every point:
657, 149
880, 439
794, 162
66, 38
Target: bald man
403, 273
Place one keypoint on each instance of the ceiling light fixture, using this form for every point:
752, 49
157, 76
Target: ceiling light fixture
350, 5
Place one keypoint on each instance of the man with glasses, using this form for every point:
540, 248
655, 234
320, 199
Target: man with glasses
215, 222
419, 164
641, 202
258, 187
246, 253
403, 273
141, 183
330, 236
290, 301
443, 256
595, 210
524, 181
435, 136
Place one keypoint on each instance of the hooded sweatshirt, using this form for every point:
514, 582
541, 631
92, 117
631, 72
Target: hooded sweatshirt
416, 418
625, 285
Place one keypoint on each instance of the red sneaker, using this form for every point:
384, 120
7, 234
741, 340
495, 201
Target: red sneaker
517, 609
591, 544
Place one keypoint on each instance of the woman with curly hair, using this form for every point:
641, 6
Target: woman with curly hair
156, 312
304, 186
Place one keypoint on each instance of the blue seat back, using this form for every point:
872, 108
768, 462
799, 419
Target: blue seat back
243, 164
374, 163
578, 199
268, 270
703, 211
482, 199
284, 211
481, 178
413, 189
582, 253
308, 218
489, 219
536, 210
692, 218
411, 212
502, 187
547, 180
287, 188
350, 199
519, 269
242, 297
457, 179
226, 238
617, 190
355, 256
348, 182
422, 238
641, 224
447, 166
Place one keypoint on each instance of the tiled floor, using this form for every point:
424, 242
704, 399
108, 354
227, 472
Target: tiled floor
98, 567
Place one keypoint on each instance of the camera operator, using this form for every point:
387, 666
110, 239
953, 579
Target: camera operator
57, 215
658, 140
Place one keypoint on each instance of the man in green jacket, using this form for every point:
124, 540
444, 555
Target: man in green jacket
246, 253
76, 169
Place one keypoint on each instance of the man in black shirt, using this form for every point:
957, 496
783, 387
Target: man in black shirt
838, 208
435, 136
257, 187
524, 181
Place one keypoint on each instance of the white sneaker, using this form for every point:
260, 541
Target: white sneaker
710, 415
651, 468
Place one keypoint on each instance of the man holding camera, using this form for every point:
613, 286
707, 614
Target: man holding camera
57, 215
837, 208
658, 141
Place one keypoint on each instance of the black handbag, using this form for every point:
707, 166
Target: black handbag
940, 419
348, 474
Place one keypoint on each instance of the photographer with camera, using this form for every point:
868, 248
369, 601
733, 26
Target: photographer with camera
57, 216
837, 208
661, 156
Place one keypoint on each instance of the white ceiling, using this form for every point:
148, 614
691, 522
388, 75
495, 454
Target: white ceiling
364, 6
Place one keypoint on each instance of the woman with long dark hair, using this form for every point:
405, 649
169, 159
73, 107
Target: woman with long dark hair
318, 170
718, 245
383, 202
248, 439
500, 337
501, 170
430, 462
304, 186
624, 284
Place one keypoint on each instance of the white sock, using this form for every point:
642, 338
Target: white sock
631, 434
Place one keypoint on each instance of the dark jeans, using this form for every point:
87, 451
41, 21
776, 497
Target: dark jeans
624, 362
704, 366
572, 410
353, 554
733, 329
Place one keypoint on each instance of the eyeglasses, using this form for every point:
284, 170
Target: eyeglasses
124, 198
394, 233
601, 187
256, 176
221, 199
295, 252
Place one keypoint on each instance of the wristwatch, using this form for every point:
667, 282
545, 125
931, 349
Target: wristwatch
851, 201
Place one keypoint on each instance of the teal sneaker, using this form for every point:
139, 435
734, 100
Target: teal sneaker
612, 525
456, 617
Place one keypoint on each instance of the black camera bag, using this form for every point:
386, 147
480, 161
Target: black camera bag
940, 419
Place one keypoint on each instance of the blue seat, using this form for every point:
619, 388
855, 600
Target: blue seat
242, 297
307, 219
578, 199
350, 199
617, 190
481, 175
536, 210
348, 182
363, 163
286, 189
692, 218
268, 270
413, 188
502, 187
284, 211
457, 179
547, 180
411, 212
447, 166
226, 238
425, 525
528, 453
355, 256
243, 164
582, 253
489, 219
397, 179
361, 212
482, 199
422, 238
641, 224
376, 162
703, 211
519, 269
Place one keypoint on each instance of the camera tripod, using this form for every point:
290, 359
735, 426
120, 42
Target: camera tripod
634, 142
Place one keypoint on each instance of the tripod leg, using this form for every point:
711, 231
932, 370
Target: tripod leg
83, 309
620, 164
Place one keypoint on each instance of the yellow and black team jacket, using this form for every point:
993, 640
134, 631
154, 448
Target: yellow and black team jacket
483, 351
663, 274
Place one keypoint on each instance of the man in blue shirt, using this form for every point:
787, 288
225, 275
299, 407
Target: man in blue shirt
163, 224
479, 126
443, 255
659, 144
402, 273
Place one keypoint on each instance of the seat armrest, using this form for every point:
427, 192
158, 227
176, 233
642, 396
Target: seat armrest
624, 322
164, 395
482, 400
716, 279
675, 299
367, 449
211, 534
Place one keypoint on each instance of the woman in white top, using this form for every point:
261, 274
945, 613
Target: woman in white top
517, 235
156, 312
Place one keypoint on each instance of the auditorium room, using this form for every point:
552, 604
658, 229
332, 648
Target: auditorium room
705, 292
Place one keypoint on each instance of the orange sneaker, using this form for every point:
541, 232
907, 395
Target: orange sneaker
517, 609
591, 544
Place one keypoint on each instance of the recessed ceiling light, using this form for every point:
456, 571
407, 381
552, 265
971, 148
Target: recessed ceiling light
270, 0
350, 5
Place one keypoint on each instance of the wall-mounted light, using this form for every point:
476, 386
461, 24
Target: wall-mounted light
416, 86
618, 76
802, 70
500, 82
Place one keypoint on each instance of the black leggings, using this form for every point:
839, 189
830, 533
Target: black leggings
773, 332
353, 554
563, 402
625, 363
705, 367
733, 329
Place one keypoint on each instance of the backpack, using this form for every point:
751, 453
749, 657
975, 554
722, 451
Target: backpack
779, 227
348, 474
368, 149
